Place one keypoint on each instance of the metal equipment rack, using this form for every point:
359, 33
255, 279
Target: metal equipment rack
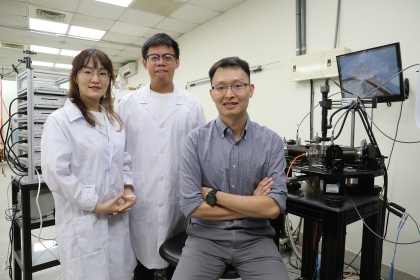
41, 94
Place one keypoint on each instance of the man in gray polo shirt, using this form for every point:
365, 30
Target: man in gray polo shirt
231, 181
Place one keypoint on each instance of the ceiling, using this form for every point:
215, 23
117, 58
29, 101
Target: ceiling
126, 28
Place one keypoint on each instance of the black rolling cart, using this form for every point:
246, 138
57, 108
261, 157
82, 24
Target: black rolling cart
23, 265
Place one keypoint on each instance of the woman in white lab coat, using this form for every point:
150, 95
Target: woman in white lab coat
84, 165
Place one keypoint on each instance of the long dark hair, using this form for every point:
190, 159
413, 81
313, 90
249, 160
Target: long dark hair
80, 61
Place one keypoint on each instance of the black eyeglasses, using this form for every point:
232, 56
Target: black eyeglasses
167, 58
234, 88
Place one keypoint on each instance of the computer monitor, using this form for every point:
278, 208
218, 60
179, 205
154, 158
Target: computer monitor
362, 71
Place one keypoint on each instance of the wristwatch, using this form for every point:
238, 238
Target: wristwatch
211, 198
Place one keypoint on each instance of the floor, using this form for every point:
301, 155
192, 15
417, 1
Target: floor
54, 273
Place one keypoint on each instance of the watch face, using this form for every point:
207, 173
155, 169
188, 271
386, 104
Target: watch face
211, 199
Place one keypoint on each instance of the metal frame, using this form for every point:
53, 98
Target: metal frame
334, 220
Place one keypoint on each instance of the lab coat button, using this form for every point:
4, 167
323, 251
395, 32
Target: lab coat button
160, 204
160, 126
161, 178
161, 152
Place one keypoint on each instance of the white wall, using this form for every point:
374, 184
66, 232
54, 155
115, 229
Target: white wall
9, 92
263, 32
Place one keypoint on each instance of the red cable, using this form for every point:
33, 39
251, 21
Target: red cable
293, 161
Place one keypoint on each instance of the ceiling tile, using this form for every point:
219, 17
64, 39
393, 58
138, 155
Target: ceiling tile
47, 38
64, 59
73, 47
92, 22
217, 5
43, 43
120, 38
129, 29
84, 43
43, 68
14, 39
132, 49
13, 20
44, 57
12, 53
176, 25
193, 13
12, 31
154, 31
141, 18
132, 55
120, 59
111, 46
159, 7
100, 9
140, 41
13, 7
61, 70
109, 52
63, 5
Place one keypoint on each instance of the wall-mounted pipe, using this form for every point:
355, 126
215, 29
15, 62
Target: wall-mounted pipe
298, 28
337, 22
303, 27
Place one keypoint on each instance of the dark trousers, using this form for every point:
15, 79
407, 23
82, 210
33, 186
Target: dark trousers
143, 273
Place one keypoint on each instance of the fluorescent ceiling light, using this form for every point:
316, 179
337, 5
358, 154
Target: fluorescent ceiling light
86, 32
69, 53
44, 49
65, 66
123, 3
48, 26
42, 63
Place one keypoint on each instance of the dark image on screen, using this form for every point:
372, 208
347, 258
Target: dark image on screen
362, 72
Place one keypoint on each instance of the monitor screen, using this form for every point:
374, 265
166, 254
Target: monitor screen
363, 71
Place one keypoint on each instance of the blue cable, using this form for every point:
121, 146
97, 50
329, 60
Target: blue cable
391, 271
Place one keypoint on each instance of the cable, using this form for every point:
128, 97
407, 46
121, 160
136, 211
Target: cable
361, 218
400, 226
415, 223
395, 137
354, 259
7, 152
291, 240
293, 161
297, 131
345, 114
40, 216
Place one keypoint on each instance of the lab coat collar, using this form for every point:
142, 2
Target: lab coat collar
177, 99
73, 113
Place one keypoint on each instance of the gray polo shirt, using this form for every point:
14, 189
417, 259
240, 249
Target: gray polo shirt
212, 157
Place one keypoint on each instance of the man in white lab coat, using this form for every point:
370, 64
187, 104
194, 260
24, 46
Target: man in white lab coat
157, 118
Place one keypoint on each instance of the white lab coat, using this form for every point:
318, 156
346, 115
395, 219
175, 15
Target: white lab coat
82, 166
155, 145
